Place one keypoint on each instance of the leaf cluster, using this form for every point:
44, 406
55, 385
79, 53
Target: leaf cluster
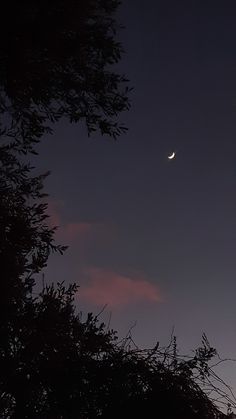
56, 60
58, 366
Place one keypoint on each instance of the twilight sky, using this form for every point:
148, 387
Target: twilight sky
155, 239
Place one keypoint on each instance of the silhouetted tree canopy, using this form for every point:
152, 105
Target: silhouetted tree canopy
25, 244
25, 238
59, 366
56, 59
54, 365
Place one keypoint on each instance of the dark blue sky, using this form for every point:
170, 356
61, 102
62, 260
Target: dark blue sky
156, 239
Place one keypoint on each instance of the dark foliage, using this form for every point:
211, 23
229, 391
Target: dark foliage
25, 244
61, 367
54, 360
25, 238
56, 60
53, 364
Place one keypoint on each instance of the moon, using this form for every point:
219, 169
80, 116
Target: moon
171, 156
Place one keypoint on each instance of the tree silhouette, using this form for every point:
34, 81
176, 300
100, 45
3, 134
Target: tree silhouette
55, 359
63, 367
25, 244
53, 364
56, 61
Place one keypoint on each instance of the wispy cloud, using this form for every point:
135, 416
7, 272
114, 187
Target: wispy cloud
114, 289
102, 286
67, 231
73, 231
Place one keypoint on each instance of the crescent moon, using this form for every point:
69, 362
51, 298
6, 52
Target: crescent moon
171, 156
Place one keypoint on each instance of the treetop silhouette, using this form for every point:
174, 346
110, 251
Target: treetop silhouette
57, 60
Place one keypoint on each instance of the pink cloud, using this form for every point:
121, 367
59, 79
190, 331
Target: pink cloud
72, 231
114, 289
67, 231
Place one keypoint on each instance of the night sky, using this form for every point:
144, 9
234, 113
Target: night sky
155, 239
